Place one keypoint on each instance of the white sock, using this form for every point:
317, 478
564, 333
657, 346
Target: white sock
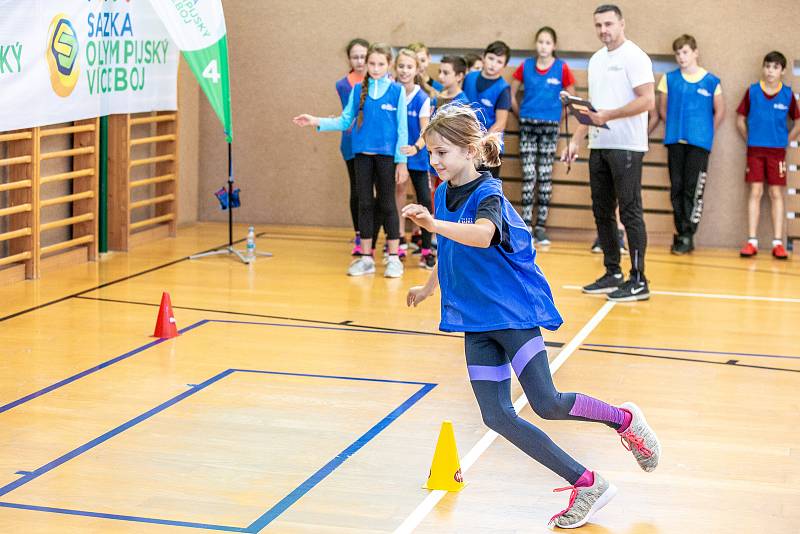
776, 242
753, 241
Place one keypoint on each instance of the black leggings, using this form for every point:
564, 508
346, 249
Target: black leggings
375, 174
351, 173
422, 189
687, 174
492, 357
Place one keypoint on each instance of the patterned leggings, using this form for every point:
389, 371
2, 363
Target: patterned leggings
538, 140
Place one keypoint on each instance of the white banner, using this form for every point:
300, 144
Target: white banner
75, 59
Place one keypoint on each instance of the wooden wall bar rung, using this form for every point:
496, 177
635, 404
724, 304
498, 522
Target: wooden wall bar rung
151, 201
19, 184
154, 159
22, 256
153, 180
15, 160
68, 244
16, 136
68, 153
22, 232
66, 198
152, 119
67, 176
47, 132
11, 210
152, 221
152, 139
67, 222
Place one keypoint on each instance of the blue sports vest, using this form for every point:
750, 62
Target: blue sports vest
494, 288
690, 110
419, 161
378, 131
343, 89
542, 101
485, 102
766, 123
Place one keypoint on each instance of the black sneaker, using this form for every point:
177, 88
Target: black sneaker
607, 283
427, 261
631, 291
682, 245
540, 237
596, 248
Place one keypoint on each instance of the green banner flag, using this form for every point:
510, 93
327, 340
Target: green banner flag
198, 28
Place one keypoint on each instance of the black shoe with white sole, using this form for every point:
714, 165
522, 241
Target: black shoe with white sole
631, 291
608, 283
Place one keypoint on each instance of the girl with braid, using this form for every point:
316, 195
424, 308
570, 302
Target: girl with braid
376, 110
544, 77
493, 291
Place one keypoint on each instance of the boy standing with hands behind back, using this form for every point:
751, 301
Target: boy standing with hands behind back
763, 124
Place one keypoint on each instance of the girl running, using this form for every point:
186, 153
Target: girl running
493, 292
357, 56
376, 111
543, 77
418, 106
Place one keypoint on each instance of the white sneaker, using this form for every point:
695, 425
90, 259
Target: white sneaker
361, 266
394, 268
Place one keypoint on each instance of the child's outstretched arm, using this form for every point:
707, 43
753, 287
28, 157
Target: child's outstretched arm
340, 123
478, 234
417, 294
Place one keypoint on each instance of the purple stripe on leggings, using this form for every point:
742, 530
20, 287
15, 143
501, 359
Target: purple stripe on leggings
489, 372
596, 410
526, 353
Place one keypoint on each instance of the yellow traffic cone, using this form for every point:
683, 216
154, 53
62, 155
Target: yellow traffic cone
445, 471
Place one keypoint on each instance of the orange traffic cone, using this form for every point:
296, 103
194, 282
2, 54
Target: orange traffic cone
165, 324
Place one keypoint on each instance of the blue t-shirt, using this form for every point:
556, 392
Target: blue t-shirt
767, 121
343, 89
494, 288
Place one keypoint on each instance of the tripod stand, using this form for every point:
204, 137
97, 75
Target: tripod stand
229, 249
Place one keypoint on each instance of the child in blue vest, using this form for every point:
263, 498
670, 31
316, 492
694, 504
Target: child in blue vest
692, 107
764, 115
489, 93
493, 291
377, 113
418, 107
543, 77
357, 56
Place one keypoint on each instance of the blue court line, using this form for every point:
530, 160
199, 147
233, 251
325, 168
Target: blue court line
694, 351
101, 515
118, 359
271, 514
73, 378
36, 473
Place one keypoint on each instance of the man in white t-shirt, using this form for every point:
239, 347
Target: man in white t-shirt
621, 88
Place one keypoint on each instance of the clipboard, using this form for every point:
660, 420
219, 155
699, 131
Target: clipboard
575, 105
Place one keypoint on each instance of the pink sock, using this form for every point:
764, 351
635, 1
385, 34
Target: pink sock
426, 251
625, 422
586, 480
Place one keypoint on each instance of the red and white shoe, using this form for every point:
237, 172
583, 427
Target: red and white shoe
748, 250
779, 253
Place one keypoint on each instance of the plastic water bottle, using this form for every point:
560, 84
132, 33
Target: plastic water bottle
251, 244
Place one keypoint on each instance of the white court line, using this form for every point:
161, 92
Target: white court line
433, 498
714, 296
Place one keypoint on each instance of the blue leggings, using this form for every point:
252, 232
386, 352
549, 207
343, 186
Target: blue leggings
491, 358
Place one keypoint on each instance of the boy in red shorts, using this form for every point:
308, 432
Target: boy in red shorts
763, 122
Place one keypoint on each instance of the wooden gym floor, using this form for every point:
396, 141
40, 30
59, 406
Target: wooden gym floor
297, 399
